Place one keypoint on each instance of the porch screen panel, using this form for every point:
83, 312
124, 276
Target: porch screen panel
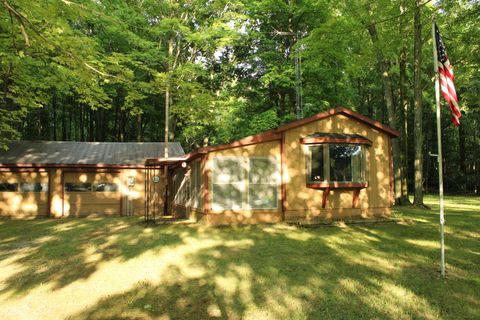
263, 180
180, 188
196, 185
228, 183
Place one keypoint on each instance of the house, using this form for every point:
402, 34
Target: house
70, 179
334, 165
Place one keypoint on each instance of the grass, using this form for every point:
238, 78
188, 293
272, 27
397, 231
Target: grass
118, 268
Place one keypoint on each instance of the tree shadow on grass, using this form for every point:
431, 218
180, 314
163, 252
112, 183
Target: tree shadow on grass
60, 252
382, 271
271, 272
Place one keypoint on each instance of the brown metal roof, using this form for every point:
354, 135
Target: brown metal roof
276, 134
84, 153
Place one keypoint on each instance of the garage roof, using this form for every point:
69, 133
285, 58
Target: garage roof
84, 153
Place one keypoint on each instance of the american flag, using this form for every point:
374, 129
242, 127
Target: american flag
446, 78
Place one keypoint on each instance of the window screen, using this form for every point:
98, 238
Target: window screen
196, 185
245, 183
8, 187
34, 187
228, 183
180, 188
78, 187
262, 183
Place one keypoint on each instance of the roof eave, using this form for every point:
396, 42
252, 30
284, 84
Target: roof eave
341, 110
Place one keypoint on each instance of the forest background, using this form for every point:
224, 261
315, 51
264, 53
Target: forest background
104, 70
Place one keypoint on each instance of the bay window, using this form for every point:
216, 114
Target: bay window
333, 162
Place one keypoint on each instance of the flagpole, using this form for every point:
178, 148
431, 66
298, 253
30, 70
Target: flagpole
439, 142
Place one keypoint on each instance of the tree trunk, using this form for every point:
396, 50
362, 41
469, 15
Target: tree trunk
417, 105
139, 128
403, 112
64, 123
54, 110
81, 122
384, 71
90, 125
70, 117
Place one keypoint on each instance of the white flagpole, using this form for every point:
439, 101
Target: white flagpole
439, 142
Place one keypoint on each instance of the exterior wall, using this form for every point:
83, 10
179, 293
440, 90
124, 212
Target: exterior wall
265, 149
59, 203
23, 204
303, 202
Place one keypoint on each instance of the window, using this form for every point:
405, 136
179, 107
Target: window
245, 183
8, 187
336, 163
262, 183
34, 187
106, 187
228, 183
78, 187
316, 164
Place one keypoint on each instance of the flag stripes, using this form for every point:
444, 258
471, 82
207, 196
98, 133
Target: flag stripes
446, 78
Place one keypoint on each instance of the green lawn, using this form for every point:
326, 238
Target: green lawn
119, 268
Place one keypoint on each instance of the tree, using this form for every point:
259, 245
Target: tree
418, 107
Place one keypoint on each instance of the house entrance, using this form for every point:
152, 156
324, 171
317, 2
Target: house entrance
154, 192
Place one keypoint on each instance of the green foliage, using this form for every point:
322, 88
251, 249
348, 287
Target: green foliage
99, 70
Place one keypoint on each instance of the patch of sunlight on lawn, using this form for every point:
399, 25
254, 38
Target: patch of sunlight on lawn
112, 277
398, 302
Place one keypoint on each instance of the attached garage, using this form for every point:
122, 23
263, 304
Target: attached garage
90, 193
76, 179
